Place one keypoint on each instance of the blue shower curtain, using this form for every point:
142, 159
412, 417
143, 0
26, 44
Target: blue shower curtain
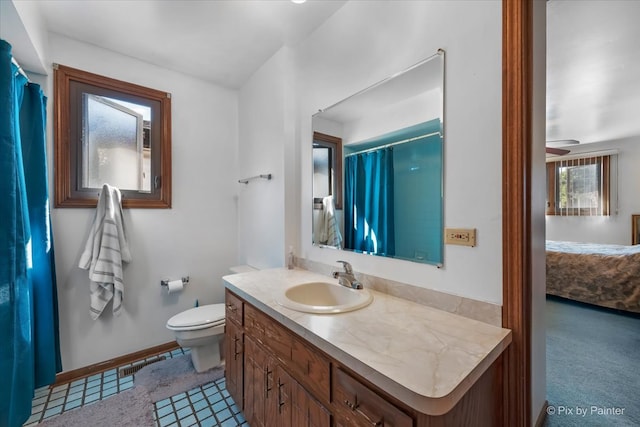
29, 346
368, 210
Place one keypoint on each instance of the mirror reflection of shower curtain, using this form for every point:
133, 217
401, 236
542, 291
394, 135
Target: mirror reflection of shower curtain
369, 218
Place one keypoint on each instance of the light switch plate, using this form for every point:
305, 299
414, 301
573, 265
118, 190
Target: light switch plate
460, 236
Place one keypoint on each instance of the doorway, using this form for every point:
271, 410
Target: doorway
591, 350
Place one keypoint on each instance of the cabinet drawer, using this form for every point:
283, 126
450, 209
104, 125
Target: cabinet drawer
311, 368
358, 405
268, 332
233, 307
253, 325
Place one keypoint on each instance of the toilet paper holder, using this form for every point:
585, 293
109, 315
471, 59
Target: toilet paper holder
185, 280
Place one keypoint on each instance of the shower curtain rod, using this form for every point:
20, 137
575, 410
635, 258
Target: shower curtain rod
20, 70
391, 144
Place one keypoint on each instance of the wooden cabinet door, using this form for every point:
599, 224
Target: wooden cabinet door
234, 361
279, 403
307, 411
258, 385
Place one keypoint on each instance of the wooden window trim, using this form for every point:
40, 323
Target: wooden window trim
334, 143
66, 191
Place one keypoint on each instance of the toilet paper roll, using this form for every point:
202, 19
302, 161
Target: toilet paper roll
175, 286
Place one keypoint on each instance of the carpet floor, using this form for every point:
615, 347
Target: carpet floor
592, 366
134, 407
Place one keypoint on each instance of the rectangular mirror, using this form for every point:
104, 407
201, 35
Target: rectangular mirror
387, 200
114, 132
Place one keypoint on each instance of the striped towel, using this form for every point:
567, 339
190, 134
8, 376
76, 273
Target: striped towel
105, 251
331, 231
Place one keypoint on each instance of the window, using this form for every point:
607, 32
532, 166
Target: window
110, 131
327, 169
579, 186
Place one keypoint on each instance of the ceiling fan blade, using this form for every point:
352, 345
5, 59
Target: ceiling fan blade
556, 151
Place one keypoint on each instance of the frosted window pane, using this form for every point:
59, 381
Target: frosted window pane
321, 178
112, 145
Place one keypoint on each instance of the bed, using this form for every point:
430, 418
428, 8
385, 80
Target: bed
604, 275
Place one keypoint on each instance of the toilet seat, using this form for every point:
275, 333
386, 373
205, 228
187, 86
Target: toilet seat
205, 316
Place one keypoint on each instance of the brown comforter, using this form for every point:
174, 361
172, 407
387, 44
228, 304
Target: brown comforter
605, 275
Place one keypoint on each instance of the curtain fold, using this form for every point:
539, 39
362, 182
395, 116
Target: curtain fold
29, 347
43, 275
369, 216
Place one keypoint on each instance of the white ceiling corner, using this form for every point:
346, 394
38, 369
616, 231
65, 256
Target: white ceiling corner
221, 41
593, 54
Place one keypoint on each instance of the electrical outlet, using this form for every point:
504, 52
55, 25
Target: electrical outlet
460, 236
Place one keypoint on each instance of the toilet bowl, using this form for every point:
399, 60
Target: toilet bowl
202, 330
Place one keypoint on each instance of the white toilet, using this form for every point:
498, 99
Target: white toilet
202, 330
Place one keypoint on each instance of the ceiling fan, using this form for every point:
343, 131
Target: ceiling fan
552, 147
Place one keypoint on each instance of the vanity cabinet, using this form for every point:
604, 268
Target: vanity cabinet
275, 398
307, 365
288, 382
263, 353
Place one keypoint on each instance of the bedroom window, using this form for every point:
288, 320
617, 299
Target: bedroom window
579, 186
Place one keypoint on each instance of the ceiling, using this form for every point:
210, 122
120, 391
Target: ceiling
593, 70
221, 41
593, 53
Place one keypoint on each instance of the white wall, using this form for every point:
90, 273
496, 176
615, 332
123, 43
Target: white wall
614, 229
366, 41
197, 237
22, 25
362, 43
410, 112
265, 141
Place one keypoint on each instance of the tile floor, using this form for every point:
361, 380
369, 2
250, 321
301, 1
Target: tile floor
206, 406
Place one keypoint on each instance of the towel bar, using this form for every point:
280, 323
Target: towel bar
246, 180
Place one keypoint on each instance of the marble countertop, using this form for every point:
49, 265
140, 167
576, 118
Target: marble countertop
425, 357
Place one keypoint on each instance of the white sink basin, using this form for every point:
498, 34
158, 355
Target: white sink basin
324, 297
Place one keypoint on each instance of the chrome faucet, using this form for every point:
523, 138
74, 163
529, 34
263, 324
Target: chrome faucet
346, 277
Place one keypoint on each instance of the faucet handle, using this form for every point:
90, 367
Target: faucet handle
347, 267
